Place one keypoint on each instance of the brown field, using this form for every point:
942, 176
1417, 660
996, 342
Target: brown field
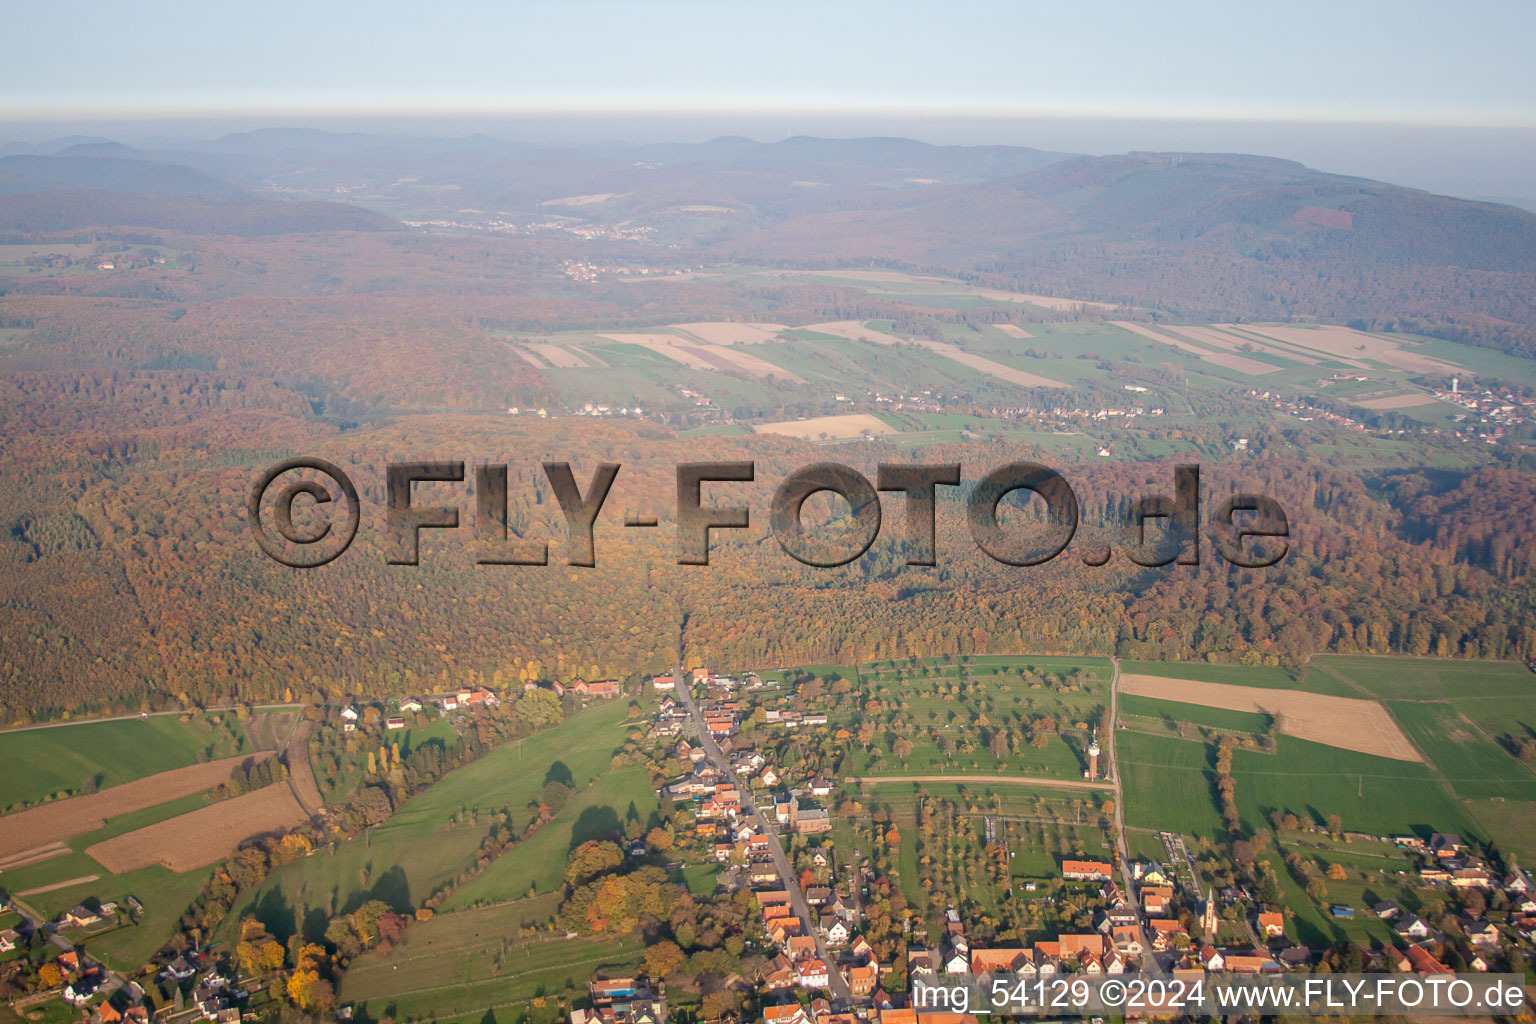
560, 357
854, 330
1344, 722
35, 855
1252, 367
198, 838
1396, 402
720, 333
1007, 373
1013, 331
854, 424
704, 357
1044, 301
1228, 342
1343, 343
26, 830
586, 200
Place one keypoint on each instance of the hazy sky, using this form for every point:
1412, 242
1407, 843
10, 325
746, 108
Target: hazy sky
1466, 62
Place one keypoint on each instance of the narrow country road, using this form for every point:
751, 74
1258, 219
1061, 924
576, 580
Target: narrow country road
138, 715
1121, 847
836, 982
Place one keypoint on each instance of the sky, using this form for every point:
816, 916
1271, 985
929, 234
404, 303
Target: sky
1342, 60
1435, 95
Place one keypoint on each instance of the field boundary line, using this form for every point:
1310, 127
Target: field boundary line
1017, 780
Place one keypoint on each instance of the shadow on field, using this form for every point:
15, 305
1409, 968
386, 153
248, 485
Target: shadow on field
595, 823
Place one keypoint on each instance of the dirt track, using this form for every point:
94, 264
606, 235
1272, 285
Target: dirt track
1348, 723
38, 826
59, 885
301, 774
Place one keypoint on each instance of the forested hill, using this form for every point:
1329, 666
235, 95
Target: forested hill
1208, 235
200, 215
1197, 235
108, 186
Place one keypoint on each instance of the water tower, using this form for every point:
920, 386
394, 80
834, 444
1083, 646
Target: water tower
1093, 760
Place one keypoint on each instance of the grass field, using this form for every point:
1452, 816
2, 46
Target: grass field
1237, 675
1150, 713
1167, 784
1370, 794
435, 834
476, 960
539, 862
1474, 765
1428, 678
36, 764
1510, 824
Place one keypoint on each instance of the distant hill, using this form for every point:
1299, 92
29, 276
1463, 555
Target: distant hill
1194, 234
208, 215
1205, 234
104, 166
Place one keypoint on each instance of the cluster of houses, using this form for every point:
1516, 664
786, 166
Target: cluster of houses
625, 1000
798, 964
214, 997
467, 699
1444, 860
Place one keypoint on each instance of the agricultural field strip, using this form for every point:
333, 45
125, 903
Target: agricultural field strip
728, 333
561, 357
1252, 367
34, 856
700, 356
1022, 378
1348, 723
35, 827
1409, 401
1224, 341
844, 426
198, 838
955, 287
1343, 343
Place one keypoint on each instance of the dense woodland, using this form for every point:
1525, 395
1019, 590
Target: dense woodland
133, 580
138, 405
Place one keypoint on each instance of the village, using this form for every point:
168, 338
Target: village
767, 822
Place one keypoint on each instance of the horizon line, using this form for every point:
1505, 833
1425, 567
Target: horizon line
427, 112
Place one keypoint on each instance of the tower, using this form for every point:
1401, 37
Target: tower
1208, 918
1093, 759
